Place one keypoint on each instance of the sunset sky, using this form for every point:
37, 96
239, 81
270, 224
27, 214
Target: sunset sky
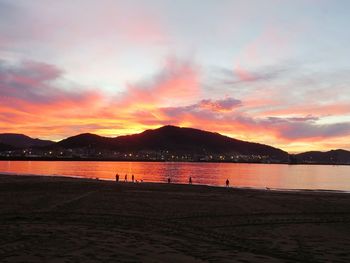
273, 71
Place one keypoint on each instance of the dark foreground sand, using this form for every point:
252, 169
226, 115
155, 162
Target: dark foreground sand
52, 219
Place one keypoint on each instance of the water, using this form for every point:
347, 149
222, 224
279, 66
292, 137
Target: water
241, 175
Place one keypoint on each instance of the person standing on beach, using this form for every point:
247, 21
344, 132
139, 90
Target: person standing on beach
227, 183
190, 180
117, 178
132, 178
126, 178
168, 180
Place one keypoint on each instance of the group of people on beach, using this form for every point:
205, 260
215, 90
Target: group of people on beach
169, 180
126, 178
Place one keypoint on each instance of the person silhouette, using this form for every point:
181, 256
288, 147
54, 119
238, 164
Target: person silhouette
132, 178
190, 180
117, 178
227, 183
126, 178
168, 180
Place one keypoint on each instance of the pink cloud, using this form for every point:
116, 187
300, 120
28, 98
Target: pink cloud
178, 81
243, 75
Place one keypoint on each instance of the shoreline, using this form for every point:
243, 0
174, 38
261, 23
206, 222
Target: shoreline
35, 159
266, 189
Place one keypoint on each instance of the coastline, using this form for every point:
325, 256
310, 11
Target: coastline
35, 159
48, 218
266, 189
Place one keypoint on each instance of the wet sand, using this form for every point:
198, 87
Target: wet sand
57, 219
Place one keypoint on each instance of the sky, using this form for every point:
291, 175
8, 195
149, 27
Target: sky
275, 71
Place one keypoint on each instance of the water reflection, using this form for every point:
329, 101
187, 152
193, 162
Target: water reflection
242, 175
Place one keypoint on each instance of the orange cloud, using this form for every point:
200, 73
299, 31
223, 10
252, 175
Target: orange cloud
177, 82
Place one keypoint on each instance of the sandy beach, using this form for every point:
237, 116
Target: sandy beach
58, 219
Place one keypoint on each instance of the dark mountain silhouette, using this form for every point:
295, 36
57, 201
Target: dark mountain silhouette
5, 147
86, 140
174, 139
331, 157
22, 141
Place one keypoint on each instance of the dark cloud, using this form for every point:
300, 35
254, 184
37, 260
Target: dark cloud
33, 82
28, 81
227, 104
297, 130
245, 75
206, 107
37, 71
302, 119
308, 118
298, 127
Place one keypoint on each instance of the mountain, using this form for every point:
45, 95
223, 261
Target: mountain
168, 141
331, 157
22, 141
174, 139
5, 147
86, 140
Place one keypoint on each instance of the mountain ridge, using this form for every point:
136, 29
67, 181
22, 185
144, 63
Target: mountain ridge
338, 156
178, 140
17, 140
170, 138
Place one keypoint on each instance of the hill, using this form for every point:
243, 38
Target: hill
331, 157
166, 143
5, 147
22, 141
86, 140
174, 139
